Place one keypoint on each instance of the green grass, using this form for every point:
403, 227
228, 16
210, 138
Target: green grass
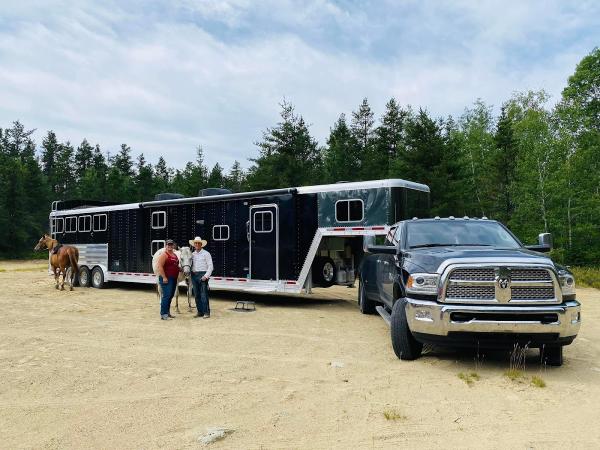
538, 381
469, 378
586, 276
392, 414
514, 374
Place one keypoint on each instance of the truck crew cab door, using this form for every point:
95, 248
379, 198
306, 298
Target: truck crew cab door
264, 242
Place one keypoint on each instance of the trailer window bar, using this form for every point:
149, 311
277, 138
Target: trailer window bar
85, 224
100, 222
159, 220
263, 222
71, 224
58, 225
156, 246
220, 233
352, 210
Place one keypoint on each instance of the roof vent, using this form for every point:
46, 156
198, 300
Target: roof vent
213, 191
168, 196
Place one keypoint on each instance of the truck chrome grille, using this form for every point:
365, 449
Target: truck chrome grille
501, 284
530, 275
532, 293
473, 274
471, 292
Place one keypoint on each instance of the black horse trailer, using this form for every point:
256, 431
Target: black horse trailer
281, 240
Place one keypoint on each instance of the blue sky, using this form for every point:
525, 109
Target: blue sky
167, 76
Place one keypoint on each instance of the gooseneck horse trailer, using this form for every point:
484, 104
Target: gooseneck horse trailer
281, 240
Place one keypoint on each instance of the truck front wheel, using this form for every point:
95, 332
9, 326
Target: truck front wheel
552, 355
405, 345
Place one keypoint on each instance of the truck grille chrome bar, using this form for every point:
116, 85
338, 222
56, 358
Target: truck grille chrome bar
500, 284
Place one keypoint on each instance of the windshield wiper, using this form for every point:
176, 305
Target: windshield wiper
450, 245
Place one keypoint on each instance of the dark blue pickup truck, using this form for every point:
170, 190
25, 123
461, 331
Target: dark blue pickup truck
468, 283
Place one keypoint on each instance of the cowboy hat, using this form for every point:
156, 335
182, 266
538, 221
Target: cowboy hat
198, 239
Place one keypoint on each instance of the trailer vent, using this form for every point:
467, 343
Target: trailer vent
213, 191
168, 196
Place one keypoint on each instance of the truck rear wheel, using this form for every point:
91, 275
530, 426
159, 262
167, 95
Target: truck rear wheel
552, 355
404, 344
366, 306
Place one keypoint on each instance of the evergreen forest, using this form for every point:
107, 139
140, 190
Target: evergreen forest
534, 165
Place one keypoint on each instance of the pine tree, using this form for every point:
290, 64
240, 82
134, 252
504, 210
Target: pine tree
341, 158
216, 179
362, 131
83, 158
234, 181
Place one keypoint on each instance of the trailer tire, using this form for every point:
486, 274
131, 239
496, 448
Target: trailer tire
324, 271
552, 355
97, 278
84, 277
366, 306
405, 346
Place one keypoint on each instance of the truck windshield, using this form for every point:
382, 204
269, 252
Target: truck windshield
458, 233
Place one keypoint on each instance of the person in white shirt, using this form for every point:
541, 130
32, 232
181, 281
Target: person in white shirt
202, 267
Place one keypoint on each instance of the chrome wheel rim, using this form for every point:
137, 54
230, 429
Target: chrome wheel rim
97, 278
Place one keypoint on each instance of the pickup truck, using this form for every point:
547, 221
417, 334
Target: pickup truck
468, 283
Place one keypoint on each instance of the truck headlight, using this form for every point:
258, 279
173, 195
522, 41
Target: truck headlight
567, 282
423, 283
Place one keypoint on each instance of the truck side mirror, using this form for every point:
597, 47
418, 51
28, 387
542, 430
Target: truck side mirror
368, 241
544, 243
545, 240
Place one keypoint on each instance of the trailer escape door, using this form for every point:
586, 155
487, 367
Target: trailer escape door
264, 242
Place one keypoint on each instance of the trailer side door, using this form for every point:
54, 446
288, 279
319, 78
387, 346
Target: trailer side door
264, 242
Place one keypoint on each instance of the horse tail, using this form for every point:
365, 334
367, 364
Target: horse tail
73, 259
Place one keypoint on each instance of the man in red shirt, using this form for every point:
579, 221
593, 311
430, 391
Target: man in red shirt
168, 271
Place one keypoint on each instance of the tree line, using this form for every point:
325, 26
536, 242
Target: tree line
533, 167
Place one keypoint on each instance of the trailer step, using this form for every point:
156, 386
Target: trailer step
384, 314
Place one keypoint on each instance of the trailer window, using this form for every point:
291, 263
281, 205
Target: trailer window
85, 224
349, 210
71, 224
263, 222
100, 222
156, 246
159, 219
58, 225
220, 233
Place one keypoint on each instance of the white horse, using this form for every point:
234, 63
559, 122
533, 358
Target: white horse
184, 254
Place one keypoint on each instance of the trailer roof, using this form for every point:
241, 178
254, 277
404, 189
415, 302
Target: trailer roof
374, 184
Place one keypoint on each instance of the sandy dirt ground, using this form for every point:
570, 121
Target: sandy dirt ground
98, 369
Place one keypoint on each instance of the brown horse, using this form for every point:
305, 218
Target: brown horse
65, 257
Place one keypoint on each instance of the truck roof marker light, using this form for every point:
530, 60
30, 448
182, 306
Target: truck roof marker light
484, 218
414, 218
436, 218
451, 217
466, 217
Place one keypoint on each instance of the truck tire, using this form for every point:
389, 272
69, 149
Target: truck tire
324, 271
404, 344
85, 277
366, 306
97, 278
552, 355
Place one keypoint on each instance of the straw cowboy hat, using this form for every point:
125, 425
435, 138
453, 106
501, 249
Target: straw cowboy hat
198, 239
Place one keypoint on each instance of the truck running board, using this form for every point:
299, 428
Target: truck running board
386, 315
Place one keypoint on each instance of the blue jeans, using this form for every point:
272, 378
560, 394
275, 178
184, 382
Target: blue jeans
201, 293
168, 291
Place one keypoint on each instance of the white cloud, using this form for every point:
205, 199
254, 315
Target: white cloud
213, 73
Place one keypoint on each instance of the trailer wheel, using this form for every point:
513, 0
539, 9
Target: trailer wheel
84, 276
406, 347
324, 271
97, 278
552, 355
366, 306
